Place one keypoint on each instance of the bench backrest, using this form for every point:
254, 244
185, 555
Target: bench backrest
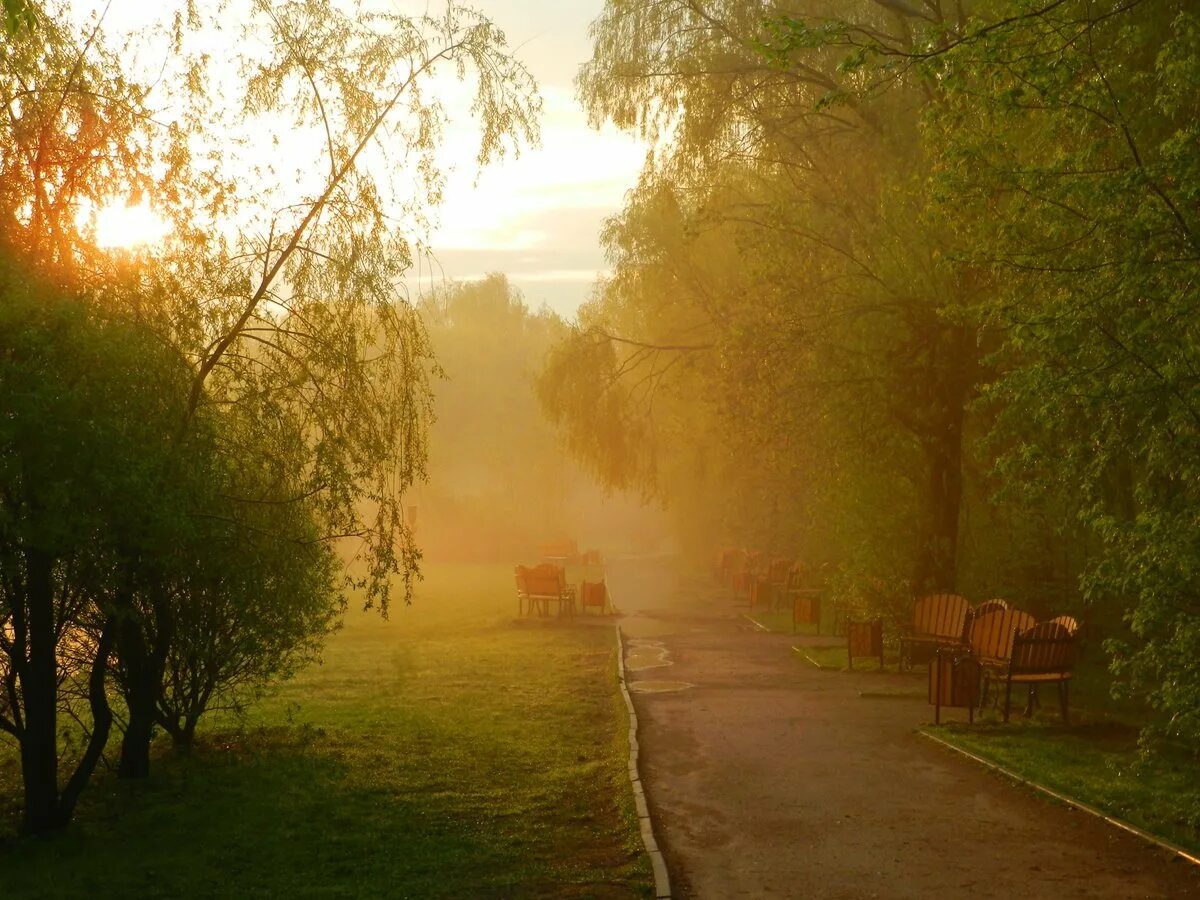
942, 615
1045, 649
991, 635
778, 572
1068, 622
545, 580
799, 577
988, 606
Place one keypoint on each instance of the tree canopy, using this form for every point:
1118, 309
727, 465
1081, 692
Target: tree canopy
282, 371
909, 290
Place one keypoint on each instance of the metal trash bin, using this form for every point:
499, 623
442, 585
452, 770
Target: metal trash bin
953, 681
864, 639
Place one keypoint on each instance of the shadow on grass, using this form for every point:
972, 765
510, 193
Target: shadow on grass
287, 812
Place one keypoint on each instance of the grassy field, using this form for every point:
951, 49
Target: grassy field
448, 752
1097, 763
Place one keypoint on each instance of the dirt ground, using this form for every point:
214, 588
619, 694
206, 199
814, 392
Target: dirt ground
769, 778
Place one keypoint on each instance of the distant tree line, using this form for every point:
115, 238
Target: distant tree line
910, 290
500, 484
192, 434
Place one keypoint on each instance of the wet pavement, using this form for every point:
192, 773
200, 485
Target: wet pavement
769, 778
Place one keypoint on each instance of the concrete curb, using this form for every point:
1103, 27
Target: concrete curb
1069, 801
812, 662
753, 621
662, 881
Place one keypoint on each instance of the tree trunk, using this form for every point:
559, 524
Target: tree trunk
182, 730
39, 695
937, 561
101, 723
141, 696
187, 736
937, 558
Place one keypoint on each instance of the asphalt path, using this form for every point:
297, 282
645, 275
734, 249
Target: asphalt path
767, 777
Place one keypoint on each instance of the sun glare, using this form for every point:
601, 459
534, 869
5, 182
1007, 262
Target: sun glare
119, 225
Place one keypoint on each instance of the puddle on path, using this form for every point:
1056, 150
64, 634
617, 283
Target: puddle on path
643, 654
658, 687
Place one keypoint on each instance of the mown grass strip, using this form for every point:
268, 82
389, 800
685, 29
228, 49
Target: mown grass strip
1093, 768
452, 751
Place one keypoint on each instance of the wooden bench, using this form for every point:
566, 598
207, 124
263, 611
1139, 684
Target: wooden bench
988, 606
767, 588
990, 639
1045, 654
1068, 622
990, 636
539, 586
939, 620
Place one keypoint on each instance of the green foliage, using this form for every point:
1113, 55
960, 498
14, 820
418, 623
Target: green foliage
285, 372
74, 134
777, 290
18, 14
935, 277
253, 600
90, 404
89, 483
1065, 160
313, 341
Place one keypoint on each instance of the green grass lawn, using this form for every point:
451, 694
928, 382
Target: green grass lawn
448, 752
1095, 758
1098, 764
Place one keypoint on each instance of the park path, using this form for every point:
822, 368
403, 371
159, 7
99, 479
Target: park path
769, 778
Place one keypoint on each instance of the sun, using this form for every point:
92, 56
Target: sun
121, 226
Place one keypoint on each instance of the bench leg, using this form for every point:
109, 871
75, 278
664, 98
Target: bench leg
937, 690
1007, 698
1063, 694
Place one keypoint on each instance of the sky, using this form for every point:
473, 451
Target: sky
537, 219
